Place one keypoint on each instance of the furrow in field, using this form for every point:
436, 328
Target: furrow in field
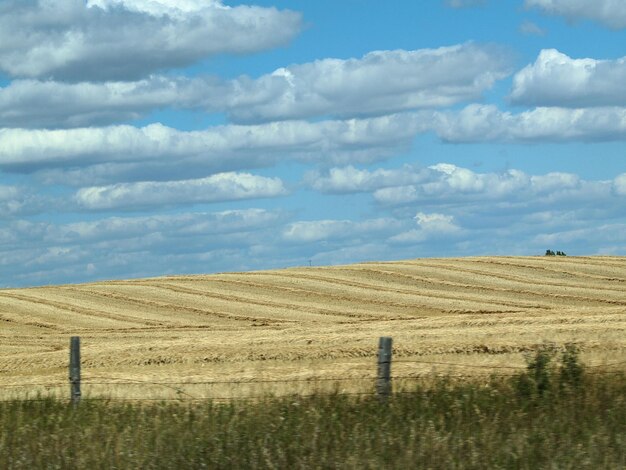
78, 316
467, 301
15, 320
531, 264
272, 304
324, 297
115, 304
370, 308
490, 276
154, 314
450, 289
491, 272
418, 298
185, 299
351, 306
603, 263
519, 285
174, 308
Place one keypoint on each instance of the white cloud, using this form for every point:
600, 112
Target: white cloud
440, 181
609, 12
456, 211
53, 104
332, 230
101, 156
122, 40
436, 223
179, 225
620, 184
558, 80
36, 252
156, 152
532, 29
429, 225
380, 82
437, 182
445, 183
486, 123
352, 180
158, 7
216, 188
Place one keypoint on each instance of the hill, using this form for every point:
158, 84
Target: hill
463, 316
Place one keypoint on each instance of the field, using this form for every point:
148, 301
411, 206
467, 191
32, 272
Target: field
468, 316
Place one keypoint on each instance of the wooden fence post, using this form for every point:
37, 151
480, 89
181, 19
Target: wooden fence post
383, 383
75, 369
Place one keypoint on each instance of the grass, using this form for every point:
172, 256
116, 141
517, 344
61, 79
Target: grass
547, 417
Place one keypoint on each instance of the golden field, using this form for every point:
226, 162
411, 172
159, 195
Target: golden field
466, 316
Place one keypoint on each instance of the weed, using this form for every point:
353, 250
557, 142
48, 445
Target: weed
575, 420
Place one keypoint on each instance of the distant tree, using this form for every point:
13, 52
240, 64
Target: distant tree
550, 253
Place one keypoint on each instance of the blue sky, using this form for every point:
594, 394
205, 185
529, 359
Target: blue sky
150, 137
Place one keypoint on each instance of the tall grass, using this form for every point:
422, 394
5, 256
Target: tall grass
547, 417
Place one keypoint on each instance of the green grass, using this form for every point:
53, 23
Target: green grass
546, 418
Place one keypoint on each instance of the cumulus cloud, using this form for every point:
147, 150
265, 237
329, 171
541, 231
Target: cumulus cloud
217, 188
53, 104
331, 230
158, 7
180, 225
445, 182
558, 80
125, 40
159, 152
486, 123
381, 82
101, 156
429, 225
611, 13
437, 223
378, 83
454, 211
448, 185
153, 245
352, 180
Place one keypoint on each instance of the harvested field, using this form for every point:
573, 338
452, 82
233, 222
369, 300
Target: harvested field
467, 316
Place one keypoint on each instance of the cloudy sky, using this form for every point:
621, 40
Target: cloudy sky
151, 137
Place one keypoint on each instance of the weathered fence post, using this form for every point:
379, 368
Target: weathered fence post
383, 383
75, 369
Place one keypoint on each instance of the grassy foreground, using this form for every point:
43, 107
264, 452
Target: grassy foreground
545, 418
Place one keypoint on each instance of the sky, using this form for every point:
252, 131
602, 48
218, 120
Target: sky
144, 138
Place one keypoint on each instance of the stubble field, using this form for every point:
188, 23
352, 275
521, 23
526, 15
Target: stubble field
460, 317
